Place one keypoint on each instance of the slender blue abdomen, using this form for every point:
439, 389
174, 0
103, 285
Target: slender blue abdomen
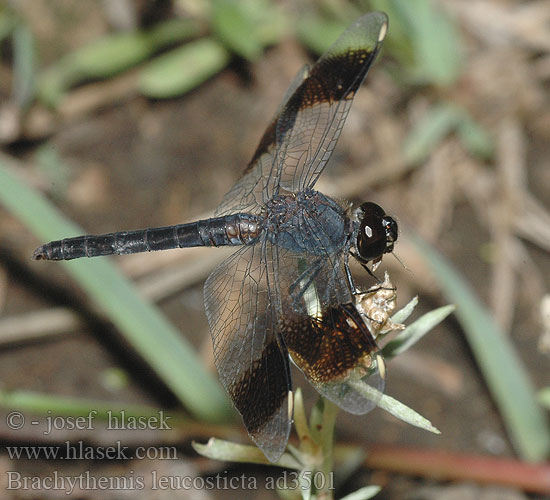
237, 229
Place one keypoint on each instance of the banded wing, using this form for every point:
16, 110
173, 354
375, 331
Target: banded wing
265, 301
322, 329
334, 348
298, 143
252, 364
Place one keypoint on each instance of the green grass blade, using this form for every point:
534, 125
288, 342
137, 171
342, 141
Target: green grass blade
24, 63
504, 372
219, 449
544, 397
45, 404
364, 493
234, 26
474, 137
435, 41
393, 406
423, 39
183, 69
403, 314
8, 21
110, 55
439, 121
415, 331
143, 325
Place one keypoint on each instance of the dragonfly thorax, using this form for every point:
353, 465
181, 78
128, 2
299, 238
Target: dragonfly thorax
307, 221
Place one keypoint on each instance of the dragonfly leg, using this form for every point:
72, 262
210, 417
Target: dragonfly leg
352, 288
367, 268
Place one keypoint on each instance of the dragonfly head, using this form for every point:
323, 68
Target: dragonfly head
377, 232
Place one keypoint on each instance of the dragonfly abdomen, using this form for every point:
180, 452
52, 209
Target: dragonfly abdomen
237, 229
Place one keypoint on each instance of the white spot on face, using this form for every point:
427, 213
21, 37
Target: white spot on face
368, 231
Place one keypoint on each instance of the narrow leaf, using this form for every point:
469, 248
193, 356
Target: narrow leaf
393, 406
300, 419
23, 45
235, 28
403, 314
219, 449
544, 397
424, 138
474, 137
424, 39
109, 56
436, 43
415, 331
316, 419
363, 493
183, 69
403, 412
8, 20
38, 403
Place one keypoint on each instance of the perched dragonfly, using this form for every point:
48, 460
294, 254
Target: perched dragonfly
287, 290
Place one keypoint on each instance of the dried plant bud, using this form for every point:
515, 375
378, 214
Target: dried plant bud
377, 305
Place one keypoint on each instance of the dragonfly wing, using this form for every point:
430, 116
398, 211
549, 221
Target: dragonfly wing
246, 194
324, 333
252, 363
299, 141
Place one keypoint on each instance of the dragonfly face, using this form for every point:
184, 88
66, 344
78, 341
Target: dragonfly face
377, 233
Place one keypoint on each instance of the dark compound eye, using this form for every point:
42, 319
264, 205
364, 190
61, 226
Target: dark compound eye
377, 232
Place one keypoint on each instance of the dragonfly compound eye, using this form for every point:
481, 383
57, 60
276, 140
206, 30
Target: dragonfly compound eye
377, 232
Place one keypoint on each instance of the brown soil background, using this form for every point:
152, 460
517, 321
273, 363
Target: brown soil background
134, 162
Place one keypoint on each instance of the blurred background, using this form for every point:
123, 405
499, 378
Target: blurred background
125, 114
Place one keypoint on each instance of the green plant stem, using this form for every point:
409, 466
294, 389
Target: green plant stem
330, 411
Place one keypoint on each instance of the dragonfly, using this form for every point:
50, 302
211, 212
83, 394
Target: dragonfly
287, 293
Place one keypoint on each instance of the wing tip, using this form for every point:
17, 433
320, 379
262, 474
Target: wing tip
383, 31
